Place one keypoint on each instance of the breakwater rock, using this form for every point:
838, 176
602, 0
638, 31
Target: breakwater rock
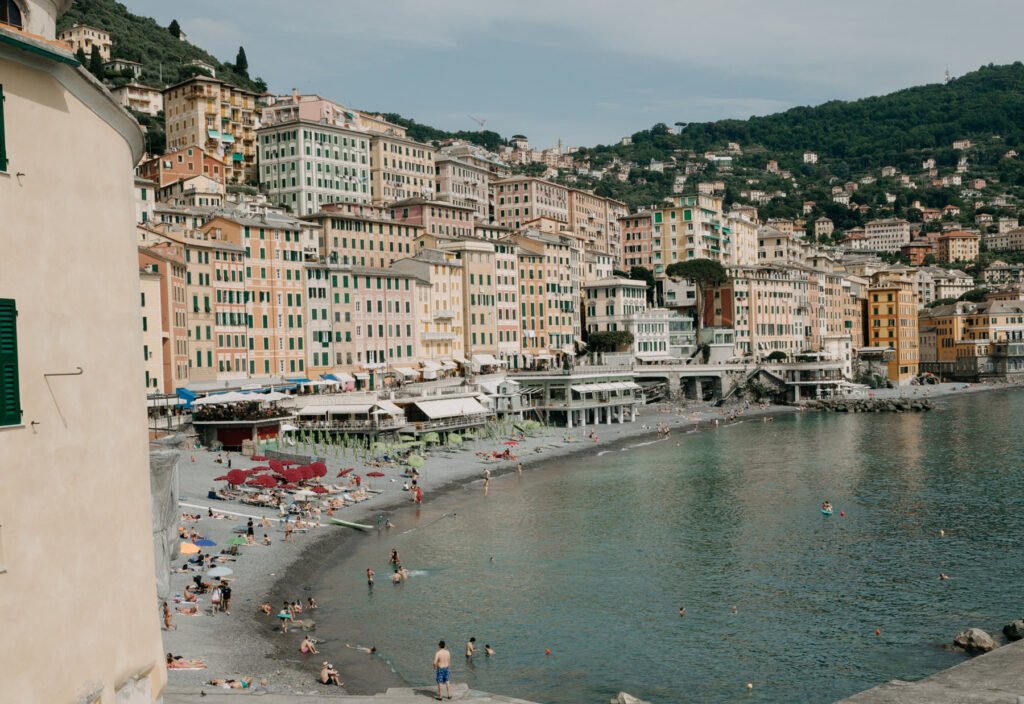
1014, 630
872, 405
974, 640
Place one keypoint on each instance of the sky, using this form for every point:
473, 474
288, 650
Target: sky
592, 71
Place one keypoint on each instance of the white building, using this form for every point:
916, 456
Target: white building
304, 165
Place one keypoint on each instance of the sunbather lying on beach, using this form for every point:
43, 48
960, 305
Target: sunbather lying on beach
188, 610
176, 662
243, 683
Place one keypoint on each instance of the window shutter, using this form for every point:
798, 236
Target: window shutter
10, 397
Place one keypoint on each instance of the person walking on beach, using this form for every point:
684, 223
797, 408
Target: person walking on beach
249, 530
225, 597
520, 468
471, 648
369, 576
395, 559
287, 531
442, 674
168, 626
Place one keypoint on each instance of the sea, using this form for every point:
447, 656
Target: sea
575, 572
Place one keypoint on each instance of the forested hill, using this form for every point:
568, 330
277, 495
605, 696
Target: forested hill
891, 129
163, 55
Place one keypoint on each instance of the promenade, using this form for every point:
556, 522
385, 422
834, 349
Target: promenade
460, 693
994, 678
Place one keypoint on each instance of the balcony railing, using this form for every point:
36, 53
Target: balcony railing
389, 423
445, 314
452, 423
439, 336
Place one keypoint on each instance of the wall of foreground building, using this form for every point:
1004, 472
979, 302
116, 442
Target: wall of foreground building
77, 590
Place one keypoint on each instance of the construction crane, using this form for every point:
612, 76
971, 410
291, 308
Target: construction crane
478, 121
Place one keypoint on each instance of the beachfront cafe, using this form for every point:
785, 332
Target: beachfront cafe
438, 414
230, 420
357, 418
582, 399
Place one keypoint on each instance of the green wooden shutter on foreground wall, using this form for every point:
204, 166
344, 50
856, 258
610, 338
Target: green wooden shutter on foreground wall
10, 398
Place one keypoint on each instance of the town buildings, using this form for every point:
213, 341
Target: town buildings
892, 324
399, 167
311, 153
84, 37
63, 300
139, 98
958, 247
222, 118
886, 235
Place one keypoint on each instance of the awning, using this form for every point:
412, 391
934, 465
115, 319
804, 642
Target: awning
373, 365
313, 411
350, 409
237, 156
362, 375
213, 134
447, 365
432, 365
185, 395
389, 408
221, 399
299, 380
485, 360
340, 377
461, 361
406, 372
544, 356
229, 138
450, 407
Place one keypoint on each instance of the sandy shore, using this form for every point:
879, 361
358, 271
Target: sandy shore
247, 643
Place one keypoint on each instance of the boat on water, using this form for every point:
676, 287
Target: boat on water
350, 524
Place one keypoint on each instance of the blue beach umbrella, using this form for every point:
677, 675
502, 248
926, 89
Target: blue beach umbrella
204, 543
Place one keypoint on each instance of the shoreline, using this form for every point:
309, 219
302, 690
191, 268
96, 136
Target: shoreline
282, 574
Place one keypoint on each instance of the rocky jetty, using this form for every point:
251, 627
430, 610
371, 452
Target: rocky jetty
872, 405
974, 640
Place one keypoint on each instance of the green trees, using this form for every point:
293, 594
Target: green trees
81, 57
241, 62
174, 29
609, 341
703, 273
96, 62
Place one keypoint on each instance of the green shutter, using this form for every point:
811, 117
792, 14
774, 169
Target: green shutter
10, 396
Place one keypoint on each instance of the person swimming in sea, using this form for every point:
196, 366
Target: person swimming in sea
826, 506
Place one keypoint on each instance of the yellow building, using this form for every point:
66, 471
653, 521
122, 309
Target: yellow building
217, 116
400, 167
439, 307
693, 227
363, 235
77, 594
549, 296
84, 37
958, 247
892, 323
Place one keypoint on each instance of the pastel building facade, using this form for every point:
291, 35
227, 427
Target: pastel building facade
401, 167
363, 235
61, 130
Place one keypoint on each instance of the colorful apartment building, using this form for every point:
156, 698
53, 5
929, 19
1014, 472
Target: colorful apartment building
400, 167
181, 165
892, 323
464, 181
221, 118
548, 296
434, 217
167, 259
439, 307
958, 247
273, 288
363, 235
506, 293
140, 98
306, 163
84, 37
693, 227
524, 199
637, 240
886, 235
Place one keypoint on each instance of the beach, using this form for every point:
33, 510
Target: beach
246, 643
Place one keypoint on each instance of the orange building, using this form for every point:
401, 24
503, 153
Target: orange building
168, 260
892, 323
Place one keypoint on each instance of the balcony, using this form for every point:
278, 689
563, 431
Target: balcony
353, 426
452, 423
438, 336
445, 314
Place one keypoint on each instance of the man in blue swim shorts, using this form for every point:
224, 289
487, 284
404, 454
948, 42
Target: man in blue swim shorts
442, 661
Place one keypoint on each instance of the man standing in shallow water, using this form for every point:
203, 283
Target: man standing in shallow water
442, 661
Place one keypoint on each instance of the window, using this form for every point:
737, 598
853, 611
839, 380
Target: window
10, 13
10, 396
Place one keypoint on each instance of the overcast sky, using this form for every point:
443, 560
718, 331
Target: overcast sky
591, 71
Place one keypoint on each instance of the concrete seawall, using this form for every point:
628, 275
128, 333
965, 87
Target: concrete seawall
994, 678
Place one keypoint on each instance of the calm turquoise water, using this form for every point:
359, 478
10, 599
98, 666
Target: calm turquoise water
593, 558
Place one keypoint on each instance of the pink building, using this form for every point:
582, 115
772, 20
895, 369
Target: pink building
383, 323
637, 240
506, 291
435, 217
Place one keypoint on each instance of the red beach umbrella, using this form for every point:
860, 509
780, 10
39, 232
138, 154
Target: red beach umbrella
511, 442
320, 467
222, 478
276, 465
375, 474
254, 482
289, 486
346, 472
308, 471
289, 463
319, 490
267, 481
236, 476
258, 458
292, 475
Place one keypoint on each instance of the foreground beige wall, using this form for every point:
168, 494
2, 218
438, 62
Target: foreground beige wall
77, 596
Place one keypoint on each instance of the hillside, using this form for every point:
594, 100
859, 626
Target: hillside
142, 39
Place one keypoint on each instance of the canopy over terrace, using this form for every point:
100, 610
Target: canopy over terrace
449, 413
355, 417
486, 360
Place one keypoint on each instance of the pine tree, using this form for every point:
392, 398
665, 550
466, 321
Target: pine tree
175, 29
241, 63
95, 62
